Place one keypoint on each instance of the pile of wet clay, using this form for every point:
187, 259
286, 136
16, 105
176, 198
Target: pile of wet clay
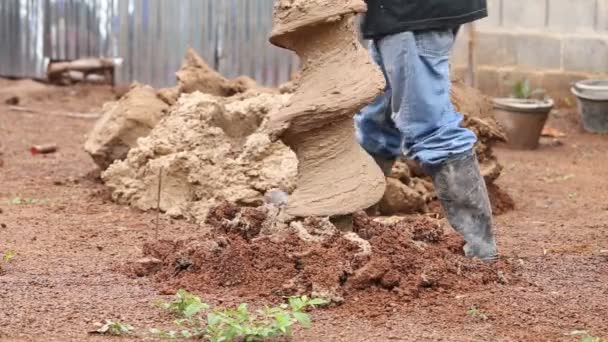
187, 148
204, 143
246, 254
205, 150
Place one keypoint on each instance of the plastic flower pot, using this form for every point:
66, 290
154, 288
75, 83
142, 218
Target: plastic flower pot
522, 120
592, 98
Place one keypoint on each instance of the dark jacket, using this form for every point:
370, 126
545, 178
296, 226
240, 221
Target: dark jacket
386, 17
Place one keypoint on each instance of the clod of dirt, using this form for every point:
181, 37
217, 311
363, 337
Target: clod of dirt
169, 95
501, 201
196, 75
12, 101
209, 149
400, 198
407, 257
146, 266
122, 123
335, 175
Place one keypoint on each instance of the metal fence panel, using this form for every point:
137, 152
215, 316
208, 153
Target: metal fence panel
150, 36
21, 34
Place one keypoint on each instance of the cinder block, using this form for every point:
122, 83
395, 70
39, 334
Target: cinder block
495, 48
524, 13
586, 54
494, 15
602, 19
499, 82
571, 16
487, 80
541, 51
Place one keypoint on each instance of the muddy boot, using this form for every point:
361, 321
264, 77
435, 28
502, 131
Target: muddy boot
463, 194
386, 165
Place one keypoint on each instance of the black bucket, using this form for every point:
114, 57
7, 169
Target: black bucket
592, 97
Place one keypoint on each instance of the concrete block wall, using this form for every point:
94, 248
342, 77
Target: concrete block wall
550, 42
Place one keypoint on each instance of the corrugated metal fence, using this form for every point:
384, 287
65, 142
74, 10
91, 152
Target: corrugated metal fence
150, 36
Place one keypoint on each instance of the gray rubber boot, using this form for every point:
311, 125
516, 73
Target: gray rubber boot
463, 194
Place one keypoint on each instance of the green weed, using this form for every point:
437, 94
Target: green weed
184, 304
476, 313
24, 200
226, 325
522, 90
586, 337
9, 255
114, 328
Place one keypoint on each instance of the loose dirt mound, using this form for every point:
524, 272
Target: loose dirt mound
209, 150
404, 258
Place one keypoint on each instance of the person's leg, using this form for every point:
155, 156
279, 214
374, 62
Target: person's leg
375, 129
417, 66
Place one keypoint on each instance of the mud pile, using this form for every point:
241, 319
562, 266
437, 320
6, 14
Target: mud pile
214, 148
206, 149
135, 114
240, 256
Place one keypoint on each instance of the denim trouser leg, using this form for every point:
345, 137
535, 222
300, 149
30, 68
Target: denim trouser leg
415, 115
375, 129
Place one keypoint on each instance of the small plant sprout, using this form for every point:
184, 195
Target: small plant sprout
477, 313
226, 325
9, 255
586, 337
184, 304
18, 200
522, 90
114, 328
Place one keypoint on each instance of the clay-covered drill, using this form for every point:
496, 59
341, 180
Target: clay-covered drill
335, 175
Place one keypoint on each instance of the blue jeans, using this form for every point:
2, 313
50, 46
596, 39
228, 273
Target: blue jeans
414, 116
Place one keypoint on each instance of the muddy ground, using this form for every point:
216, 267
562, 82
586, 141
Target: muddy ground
72, 243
